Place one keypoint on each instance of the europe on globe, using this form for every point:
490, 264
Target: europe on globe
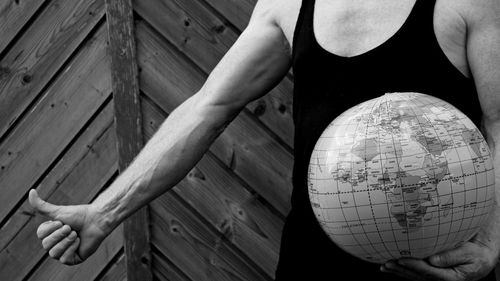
401, 175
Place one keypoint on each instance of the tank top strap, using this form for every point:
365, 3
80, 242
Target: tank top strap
303, 28
424, 10
420, 22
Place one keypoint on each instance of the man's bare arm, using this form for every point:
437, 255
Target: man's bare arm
258, 60
474, 259
483, 51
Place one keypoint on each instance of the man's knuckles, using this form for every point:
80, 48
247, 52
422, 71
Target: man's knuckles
70, 257
66, 261
59, 249
47, 228
56, 236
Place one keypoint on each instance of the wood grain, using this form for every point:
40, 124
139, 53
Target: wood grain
117, 271
41, 52
164, 269
53, 122
199, 252
122, 50
76, 166
238, 12
14, 14
66, 184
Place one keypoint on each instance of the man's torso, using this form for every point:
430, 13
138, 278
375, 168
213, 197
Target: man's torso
352, 27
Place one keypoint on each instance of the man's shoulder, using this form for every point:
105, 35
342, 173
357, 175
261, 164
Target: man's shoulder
282, 13
475, 11
278, 9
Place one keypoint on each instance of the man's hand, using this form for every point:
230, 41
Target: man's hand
471, 260
72, 234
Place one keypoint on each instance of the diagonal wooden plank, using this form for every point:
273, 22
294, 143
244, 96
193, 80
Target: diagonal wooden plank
164, 269
77, 155
79, 185
41, 51
238, 12
117, 272
244, 146
204, 38
53, 122
14, 15
199, 252
216, 195
119, 15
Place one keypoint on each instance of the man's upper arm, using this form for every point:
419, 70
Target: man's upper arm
257, 61
483, 51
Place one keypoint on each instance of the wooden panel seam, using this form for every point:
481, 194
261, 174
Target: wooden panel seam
125, 83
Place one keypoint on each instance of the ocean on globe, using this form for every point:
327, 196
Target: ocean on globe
402, 175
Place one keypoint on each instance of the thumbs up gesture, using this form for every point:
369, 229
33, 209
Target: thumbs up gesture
72, 234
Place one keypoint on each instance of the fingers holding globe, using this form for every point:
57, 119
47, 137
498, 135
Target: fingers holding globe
402, 175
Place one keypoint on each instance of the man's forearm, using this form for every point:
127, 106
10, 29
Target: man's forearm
490, 232
169, 155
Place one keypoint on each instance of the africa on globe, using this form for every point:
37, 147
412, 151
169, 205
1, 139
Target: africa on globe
402, 175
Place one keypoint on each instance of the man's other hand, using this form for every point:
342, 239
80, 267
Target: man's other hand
471, 260
72, 234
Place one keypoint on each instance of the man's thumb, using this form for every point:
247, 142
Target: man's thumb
449, 258
40, 205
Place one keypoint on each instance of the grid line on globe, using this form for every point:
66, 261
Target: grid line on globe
402, 175
483, 217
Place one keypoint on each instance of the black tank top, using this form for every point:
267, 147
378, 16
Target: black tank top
325, 86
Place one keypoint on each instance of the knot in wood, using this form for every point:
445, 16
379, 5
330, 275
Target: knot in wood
238, 212
282, 108
219, 28
196, 174
4, 71
260, 109
144, 260
175, 227
27, 78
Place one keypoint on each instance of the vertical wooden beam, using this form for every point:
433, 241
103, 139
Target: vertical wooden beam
125, 83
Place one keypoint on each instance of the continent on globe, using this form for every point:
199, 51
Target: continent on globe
402, 175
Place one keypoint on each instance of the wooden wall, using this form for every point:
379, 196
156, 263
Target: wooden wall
224, 220
56, 129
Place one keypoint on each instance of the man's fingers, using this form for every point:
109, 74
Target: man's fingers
422, 268
56, 236
451, 258
59, 249
70, 256
47, 228
393, 268
40, 205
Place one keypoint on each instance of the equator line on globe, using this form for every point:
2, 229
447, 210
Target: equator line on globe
402, 175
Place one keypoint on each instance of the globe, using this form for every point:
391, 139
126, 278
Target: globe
401, 175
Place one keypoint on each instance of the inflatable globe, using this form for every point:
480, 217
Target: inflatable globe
402, 175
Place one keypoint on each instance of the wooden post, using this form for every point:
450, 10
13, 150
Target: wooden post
128, 122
